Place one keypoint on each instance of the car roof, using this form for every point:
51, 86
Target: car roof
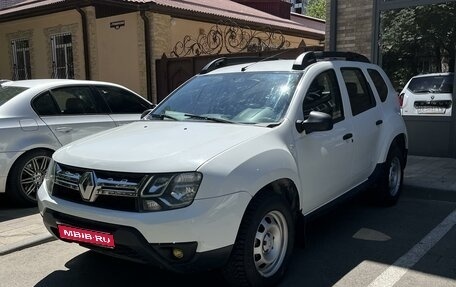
261, 66
276, 66
49, 83
272, 64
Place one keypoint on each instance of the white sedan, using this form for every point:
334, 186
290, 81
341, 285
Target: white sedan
39, 116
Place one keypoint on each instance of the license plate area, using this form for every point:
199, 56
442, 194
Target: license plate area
430, 110
81, 235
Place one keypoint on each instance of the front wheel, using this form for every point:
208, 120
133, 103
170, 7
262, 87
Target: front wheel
264, 243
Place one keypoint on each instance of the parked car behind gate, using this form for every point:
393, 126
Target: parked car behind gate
428, 95
39, 116
226, 168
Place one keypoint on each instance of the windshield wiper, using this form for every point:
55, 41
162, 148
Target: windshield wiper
161, 116
217, 120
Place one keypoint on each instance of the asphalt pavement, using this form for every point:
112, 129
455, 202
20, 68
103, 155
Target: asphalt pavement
425, 177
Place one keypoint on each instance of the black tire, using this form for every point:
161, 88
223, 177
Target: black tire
391, 178
268, 216
26, 176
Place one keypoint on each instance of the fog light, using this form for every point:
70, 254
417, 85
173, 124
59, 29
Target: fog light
178, 253
151, 205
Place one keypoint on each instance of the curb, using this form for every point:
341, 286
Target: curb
26, 243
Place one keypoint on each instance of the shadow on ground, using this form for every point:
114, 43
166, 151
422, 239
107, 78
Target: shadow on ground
10, 211
93, 269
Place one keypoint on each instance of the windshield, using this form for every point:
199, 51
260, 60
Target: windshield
432, 84
7, 93
250, 98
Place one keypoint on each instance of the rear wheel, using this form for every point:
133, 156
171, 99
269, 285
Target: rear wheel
26, 176
264, 243
390, 182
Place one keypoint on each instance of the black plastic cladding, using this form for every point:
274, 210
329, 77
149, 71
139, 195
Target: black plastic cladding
301, 62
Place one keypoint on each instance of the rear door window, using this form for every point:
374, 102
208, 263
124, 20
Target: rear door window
75, 100
359, 92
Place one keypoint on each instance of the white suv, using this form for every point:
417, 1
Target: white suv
428, 95
224, 170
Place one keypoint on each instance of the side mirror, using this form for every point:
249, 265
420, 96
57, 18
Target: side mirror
316, 122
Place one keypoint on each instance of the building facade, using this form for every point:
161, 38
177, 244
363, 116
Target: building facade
121, 41
406, 38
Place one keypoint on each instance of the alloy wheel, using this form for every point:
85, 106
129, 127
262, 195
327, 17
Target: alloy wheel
32, 175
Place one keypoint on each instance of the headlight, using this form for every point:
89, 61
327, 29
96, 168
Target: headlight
50, 176
171, 191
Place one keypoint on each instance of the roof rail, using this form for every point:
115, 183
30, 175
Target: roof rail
228, 61
308, 58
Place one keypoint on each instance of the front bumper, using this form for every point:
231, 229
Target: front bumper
205, 230
131, 245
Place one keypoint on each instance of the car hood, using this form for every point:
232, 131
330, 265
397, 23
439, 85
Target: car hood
156, 146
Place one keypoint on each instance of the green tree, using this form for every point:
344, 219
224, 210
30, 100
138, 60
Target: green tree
418, 40
317, 9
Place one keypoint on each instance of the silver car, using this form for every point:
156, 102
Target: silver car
39, 116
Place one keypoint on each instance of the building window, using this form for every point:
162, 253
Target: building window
62, 56
21, 59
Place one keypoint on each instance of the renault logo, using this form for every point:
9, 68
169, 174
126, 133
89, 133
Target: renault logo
87, 185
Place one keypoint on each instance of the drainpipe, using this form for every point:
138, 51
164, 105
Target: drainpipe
85, 39
333, 27
147, 52
375, 50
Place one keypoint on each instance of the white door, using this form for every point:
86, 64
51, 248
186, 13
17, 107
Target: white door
367, 122
324, 157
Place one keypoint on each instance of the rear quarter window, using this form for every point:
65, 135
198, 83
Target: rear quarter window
379, 82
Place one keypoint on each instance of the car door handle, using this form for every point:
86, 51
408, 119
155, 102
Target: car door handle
347, 137
379, 122
64, 129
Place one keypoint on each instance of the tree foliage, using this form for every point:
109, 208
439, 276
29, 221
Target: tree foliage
317, 9
418, 40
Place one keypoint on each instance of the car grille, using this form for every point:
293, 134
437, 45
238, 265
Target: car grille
111, 190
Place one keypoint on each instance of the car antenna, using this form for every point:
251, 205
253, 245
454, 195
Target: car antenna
243, 69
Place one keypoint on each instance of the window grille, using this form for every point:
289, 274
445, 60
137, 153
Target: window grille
62, 56
21, 59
